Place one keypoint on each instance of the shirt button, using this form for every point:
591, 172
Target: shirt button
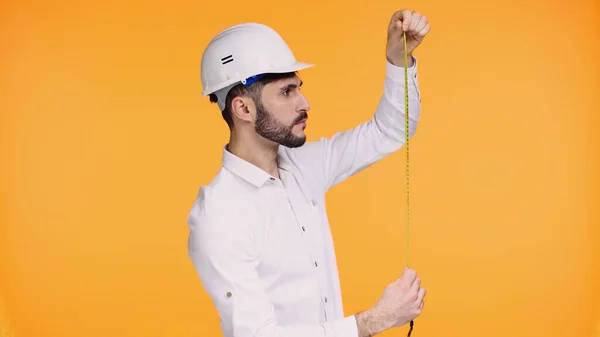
316, 265
272, 179
303, 229
314, 203
325, 299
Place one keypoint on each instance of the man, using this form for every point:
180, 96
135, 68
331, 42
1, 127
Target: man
259, 235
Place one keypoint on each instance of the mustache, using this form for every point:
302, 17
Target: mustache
303, 115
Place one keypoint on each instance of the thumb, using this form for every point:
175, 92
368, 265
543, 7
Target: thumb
401, 20
403, 275
408, 276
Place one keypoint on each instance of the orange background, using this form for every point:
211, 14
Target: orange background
105, 139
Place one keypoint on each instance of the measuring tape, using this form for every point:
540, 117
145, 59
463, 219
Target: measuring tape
407, 151
406, 119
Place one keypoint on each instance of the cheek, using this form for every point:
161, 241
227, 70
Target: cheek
281, 110
286, 117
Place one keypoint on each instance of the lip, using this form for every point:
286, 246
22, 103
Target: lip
301, 122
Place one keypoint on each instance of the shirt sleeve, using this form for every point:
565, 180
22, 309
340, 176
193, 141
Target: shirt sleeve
224, 256
348, 152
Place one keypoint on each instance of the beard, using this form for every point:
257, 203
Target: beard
275, 131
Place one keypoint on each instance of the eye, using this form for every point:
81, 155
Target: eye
286, 92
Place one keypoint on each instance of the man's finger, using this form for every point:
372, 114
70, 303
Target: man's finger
402, 16
414, 21
421, 305
420, 25
421, 295
423, 31
415, 286
406, 19
408, 276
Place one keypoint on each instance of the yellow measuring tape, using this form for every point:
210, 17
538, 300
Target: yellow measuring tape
406, 119
407, 151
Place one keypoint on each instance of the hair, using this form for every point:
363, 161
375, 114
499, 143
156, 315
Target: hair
253, 91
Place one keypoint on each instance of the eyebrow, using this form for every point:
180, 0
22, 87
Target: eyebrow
291, 86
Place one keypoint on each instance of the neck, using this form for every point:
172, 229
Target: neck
258, 152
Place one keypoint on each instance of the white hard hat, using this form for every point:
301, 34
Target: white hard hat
240, 53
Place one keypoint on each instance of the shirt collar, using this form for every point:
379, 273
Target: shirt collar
247, 171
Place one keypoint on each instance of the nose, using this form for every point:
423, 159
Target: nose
303, 104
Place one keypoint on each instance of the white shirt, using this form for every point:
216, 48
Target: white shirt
262, 246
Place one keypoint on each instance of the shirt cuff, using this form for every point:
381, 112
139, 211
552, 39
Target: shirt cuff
345, 327
396, 73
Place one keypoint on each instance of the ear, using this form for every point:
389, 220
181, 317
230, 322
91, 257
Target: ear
242, 108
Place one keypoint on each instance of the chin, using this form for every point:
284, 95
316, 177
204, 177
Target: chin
300, 136
299, 132
297, 143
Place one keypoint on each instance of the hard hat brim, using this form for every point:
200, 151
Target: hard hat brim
297, 66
